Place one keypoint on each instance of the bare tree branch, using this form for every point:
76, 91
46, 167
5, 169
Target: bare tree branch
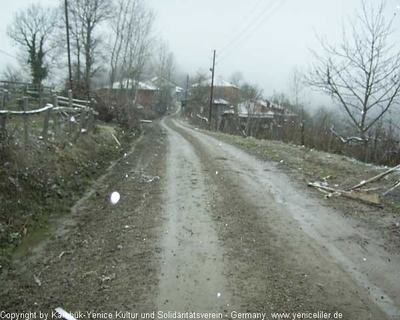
32, 29
362, 73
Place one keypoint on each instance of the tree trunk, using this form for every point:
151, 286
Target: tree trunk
365, 147
88, 64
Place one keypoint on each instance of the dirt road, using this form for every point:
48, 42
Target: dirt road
204, 227
280, 249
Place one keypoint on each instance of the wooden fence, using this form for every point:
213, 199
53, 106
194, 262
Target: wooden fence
11, 94
67, 116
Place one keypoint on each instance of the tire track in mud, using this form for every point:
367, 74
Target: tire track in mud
274, 266
192, 267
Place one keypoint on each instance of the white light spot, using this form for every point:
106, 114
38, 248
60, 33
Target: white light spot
216, 172
218, 295
365, 259
72, 119
126, 176
125, 155
114, 197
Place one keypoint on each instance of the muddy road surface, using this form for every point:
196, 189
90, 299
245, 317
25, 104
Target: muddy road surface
204, 230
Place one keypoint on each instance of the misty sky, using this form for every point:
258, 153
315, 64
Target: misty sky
266, 52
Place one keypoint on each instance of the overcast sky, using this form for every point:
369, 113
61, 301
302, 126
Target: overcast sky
264, 39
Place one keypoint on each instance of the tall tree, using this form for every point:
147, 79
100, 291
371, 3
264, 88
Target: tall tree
250, 95
130, 41
86, 16
32, 29
296, 87
12, 74
236, 78
362, 73
164, 67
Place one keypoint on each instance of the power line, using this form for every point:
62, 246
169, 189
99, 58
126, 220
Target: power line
228, 52
10, 55
269, 5
237, 27
240, 39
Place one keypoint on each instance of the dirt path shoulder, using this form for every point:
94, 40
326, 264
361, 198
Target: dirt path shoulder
102, 256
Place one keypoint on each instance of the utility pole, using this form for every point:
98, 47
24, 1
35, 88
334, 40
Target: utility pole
187, 88
212, 90
68, 46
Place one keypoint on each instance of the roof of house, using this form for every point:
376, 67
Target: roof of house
131, 83
157, 81
218, 82
220, 101
250, 107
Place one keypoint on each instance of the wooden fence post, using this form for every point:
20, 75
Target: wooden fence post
3, 133
90, 120
40, 96
3, 125
91, 115
70, 127
26, 121
46, 124
80, 125
55, 117
82, 122
2, 100
70, 98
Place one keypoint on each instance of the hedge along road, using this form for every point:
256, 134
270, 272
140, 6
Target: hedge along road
239, 235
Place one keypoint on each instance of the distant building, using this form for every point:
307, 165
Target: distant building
146, 92
176, 92
222, 90
259, 109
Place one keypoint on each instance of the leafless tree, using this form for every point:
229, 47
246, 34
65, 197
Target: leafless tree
296, 86
12, 74
236, 78
199, 93
86, 16
32, 29
164, 67
130, 41
362, 73
250, 94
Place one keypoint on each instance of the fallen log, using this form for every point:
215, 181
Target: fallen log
379, 176
373, 199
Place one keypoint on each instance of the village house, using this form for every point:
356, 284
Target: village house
176, 92
222, 90
144, 97
259, 118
